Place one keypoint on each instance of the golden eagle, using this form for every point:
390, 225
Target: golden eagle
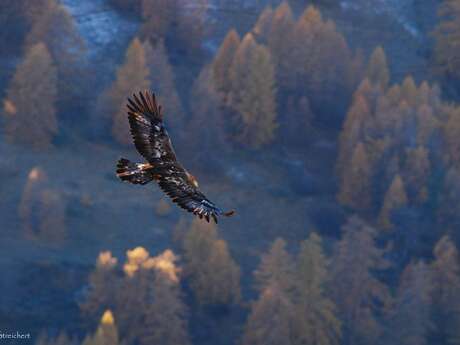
153, 143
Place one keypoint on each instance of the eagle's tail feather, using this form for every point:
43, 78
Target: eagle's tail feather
132, 172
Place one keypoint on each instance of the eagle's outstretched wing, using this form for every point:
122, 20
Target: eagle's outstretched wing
149, 134
153, 143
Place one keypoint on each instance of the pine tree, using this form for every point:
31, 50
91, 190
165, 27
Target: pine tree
447, 51
30, 114
165, 314
132, 77
377, 69
214, 275
446, 280
276, 268
253, 93
355, 189
394, 198
223, 60
357, 293
451, 133
270, 320
56, 28
409, 319
162, 79
315, 320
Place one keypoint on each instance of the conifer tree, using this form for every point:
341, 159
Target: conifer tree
377, 69
416, 173
409, 91
165, 314
357, 293
223, 60
394, 198
253, 93
29, 108
106, 333
409, 320
206, 127
280, 43
315, 320
262, 27
55, 27
162, 80
355, 189
214, 275
103, 282
447, 48
270, 320
132, 77
446, 280
276, 268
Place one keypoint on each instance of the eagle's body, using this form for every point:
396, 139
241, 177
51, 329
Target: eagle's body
153, 143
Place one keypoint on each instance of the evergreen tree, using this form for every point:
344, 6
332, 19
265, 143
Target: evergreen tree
103, 282
30, 114
394, 198
214, 276
409, 91
253, 93
262, 27
377, 69
270, 320
223, 60
355, 189
409, 319
416, 173
106, 333
315, 320
165, 315
56, 28
276, 268
447, 48
446, 280
162, 80
356, 292
132, 77
206, 127
280, 43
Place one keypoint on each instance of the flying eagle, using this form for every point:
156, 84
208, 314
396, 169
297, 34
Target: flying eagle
153, 143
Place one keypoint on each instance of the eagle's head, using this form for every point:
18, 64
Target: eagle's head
192, 179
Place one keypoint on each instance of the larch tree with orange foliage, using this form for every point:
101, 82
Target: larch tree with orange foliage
315, 321
214, 275
394, 199
253, 94
56, 28
29, 107
132, 76
446, 284
357, 293
356, 184
377, 69
222, 62
106, 333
